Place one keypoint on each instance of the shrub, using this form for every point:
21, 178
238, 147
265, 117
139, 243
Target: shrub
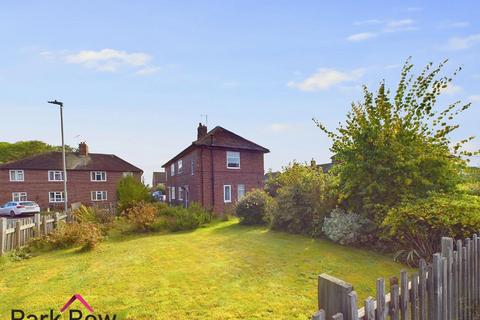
254, 207
131, 191
180, 218
93, 215
304, 201
142, 215
348, 228
417, 226
87, 235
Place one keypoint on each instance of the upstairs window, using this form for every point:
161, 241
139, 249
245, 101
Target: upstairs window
172, 169
98, 176
180, 166
99, 195
192, 167
19, 196
56, 196
17, 175
127, 174
233, 160
55, 175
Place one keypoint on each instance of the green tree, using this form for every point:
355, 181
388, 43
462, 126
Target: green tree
395, 147
22, 149
131, 191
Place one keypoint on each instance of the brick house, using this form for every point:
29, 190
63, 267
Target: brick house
92, 178
215, 170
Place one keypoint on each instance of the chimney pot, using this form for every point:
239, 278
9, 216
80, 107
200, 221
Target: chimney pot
83, 149
201, 131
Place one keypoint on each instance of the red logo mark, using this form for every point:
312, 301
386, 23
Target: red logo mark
79, 298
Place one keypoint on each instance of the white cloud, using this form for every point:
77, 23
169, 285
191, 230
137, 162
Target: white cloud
399, 25
361, 36
459, 24
384, 26
108, 59
474, 98
461, 43
325, 78
452, 90
148, 71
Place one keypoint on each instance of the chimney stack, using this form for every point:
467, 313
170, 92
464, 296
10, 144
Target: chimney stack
201, 131
83, 149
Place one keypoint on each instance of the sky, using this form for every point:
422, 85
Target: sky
137, 76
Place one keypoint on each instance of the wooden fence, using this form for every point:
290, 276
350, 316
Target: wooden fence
446, 289
15, 233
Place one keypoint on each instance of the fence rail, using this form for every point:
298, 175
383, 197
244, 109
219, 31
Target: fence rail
15, 233
446, 289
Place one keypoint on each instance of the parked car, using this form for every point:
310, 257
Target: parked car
15, 208
158, 196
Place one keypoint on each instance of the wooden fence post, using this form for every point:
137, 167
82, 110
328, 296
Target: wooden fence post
369, 308
319, 315
333, 295
381, 312
56, 218
3, 236
352, 304
437, 286
422, 290
36, 220
404, 295
44, 225
447, 252
17, 234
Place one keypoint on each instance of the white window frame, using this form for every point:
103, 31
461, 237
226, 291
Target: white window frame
225, 187
172, 194
54, 198
55, 172
192, 167
238, 191
172, 169
230, 155
127, 174
15, 175
99, 195
94, 175
17, 196
180, 166
180, 193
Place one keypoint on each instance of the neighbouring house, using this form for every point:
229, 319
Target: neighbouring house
159, 178
216, 170
92, 178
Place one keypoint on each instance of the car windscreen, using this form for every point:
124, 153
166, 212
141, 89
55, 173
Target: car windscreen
28, 203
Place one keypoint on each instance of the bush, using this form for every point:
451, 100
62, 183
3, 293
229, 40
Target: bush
93, 215
304, 201
87, 235
418, 225
348, 228
254, 207
180, 218
131, 191
142, 215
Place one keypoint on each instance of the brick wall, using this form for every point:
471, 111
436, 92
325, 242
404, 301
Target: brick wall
250, 174
79, 187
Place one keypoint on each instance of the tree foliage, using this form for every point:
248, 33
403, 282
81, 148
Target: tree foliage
391, 147
22, 149
130, 191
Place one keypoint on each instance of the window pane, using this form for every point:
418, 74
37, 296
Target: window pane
233, 159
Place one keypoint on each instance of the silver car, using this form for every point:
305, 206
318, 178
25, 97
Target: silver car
15, 208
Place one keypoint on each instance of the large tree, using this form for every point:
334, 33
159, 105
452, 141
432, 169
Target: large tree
392, 147
23, 149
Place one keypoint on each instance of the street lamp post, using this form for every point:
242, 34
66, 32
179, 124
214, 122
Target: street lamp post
65, 198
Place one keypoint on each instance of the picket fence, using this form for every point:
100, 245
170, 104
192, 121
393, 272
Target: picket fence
15, 233
446, 289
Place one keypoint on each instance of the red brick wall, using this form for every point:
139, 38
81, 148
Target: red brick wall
250, 174
79, 187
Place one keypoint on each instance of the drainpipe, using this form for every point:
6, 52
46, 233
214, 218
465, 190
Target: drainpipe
212, 174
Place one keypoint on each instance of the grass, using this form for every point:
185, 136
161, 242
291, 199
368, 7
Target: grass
223, 271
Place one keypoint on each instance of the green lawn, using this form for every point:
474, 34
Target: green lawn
224, 271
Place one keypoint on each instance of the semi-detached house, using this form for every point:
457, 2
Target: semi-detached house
216, 170
92, 178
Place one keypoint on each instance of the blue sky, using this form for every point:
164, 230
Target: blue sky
136, 76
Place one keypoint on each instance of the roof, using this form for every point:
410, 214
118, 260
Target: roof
326, 166
53, 161
220, 137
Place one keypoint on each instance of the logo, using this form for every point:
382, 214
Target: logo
73, 314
